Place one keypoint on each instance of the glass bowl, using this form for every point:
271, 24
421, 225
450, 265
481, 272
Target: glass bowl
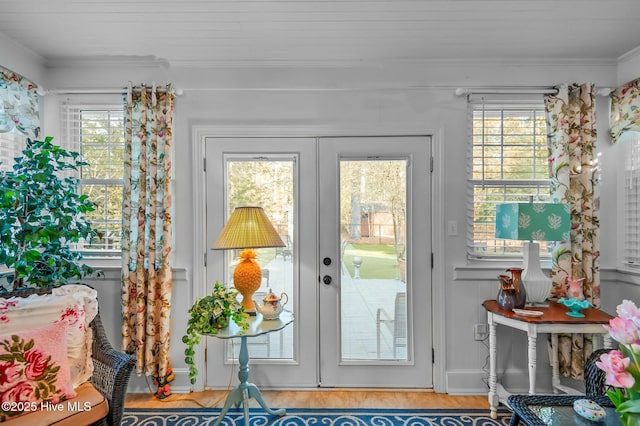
576, 305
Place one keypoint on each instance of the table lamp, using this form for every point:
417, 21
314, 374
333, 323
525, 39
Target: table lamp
533, 222
248, 228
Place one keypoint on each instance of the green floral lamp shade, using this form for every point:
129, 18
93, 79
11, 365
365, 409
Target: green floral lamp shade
533, 221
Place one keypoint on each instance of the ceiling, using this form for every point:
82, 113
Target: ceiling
253, 32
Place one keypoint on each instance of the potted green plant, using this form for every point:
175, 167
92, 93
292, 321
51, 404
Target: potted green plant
208, 315
42, 216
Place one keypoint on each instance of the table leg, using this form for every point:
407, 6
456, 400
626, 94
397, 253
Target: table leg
606, 341
555, 364
245, 390
531, 338
493, 395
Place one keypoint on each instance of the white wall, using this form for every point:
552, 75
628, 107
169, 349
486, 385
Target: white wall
370, 100
18, 59
629, 66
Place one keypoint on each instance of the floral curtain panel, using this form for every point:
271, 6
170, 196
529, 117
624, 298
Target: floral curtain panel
571, 126
625, 110
20, 103
146, 237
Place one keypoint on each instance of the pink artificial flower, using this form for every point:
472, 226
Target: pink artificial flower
615, 366
622, 330
629, 311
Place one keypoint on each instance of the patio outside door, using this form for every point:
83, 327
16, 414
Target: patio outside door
355, 215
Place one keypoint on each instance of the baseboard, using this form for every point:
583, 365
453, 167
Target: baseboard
144, 384
459, 382
475, 382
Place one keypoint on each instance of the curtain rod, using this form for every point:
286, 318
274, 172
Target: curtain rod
464, 91
97, 91
460, 91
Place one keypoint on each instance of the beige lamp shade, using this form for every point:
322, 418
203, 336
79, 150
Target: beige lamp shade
248, 227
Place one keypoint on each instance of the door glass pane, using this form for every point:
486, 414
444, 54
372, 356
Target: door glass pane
373, 201
267, 183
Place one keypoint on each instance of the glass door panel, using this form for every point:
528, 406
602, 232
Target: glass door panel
267, 182
373, 203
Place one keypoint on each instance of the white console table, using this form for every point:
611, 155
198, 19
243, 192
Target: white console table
554, 320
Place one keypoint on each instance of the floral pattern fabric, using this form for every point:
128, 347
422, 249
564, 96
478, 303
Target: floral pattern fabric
74, 306
571, 124
147, 237
33, 370
20, 102
625, 110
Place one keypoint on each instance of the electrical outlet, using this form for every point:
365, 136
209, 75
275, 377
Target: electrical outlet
480, 331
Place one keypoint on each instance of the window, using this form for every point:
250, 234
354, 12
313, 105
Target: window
631, 255
508, 164
12, 142
98, 133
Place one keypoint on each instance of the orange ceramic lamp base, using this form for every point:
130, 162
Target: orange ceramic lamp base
247, 278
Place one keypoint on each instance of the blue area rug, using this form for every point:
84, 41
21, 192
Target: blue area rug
316, 417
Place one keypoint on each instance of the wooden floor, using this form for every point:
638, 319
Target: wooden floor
325, 398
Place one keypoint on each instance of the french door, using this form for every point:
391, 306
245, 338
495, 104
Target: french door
354, 214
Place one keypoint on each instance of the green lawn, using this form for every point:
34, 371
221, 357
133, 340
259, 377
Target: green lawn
378, 261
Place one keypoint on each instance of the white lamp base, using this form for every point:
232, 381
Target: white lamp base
536, 283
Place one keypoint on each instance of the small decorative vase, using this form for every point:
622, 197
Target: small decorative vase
518, 285
219, 322
506, 299
512, 293
574, 288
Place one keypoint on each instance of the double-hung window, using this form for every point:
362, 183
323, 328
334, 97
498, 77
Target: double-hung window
12, 143
508, 163
631, 197
97, 132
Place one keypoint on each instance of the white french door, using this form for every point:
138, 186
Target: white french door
375, 299
278, 174
355, 215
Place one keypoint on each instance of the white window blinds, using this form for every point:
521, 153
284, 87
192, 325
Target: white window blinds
508, 163
97, 132
631, 253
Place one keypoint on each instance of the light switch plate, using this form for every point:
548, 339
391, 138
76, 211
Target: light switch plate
452, 228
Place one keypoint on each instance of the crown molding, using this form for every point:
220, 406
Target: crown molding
152, 61
115, 61
392, 62
630, 55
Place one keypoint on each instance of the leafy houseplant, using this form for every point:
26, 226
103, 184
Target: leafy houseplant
208, 315
41, 215
623, 366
